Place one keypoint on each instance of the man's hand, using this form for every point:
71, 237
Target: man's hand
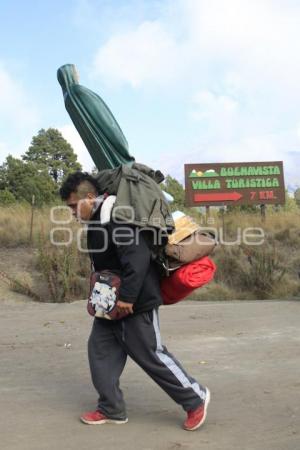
124, 307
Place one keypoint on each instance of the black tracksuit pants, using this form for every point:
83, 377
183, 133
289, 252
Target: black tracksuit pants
139, 337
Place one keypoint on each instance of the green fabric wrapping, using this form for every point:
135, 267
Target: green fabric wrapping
94, 122
134, 184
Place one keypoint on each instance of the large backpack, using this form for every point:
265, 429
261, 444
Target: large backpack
139, 199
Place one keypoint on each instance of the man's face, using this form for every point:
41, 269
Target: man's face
81, 208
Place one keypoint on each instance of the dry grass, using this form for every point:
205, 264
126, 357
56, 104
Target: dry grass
65, 270
21, 284
271, 270
15, 224
217, 291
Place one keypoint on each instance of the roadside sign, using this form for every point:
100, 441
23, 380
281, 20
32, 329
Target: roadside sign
246, 183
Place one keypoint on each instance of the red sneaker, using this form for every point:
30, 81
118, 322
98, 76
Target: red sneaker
197, 417
97, 418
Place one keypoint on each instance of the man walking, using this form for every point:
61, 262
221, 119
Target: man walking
126, 250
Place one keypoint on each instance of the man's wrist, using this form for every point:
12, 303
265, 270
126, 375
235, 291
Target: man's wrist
127, 299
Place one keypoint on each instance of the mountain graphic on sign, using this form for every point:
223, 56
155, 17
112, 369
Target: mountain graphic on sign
195, 174
211, 173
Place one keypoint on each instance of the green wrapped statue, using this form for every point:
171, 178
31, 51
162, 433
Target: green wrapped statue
94, 122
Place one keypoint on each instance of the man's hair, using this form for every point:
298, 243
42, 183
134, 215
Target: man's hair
80, 182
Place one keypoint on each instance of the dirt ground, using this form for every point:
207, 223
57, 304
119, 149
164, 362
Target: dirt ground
248, 353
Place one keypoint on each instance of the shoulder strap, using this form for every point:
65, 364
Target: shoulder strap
106, 209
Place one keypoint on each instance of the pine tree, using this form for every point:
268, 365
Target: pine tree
25, 179
173, 187
49, 150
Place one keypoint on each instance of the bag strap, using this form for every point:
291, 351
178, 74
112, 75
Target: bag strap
106, 209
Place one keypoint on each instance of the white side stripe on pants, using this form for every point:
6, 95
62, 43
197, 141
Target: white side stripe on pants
178, 373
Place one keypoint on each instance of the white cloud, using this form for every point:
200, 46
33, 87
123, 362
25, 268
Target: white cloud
18, 116
217, 113
210, 104
256, 36
237, 61
71, 135
144, 54
15, 105
272, 147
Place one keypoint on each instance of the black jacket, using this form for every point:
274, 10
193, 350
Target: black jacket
126, 249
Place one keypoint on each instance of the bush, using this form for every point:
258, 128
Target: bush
264, 273
63, 270
7, 197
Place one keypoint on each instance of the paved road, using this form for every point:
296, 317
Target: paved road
248, 353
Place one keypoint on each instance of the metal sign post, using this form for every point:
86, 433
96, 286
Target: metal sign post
223, 222
207, 214
263, 213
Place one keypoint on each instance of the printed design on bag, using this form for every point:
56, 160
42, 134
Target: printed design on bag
103, 298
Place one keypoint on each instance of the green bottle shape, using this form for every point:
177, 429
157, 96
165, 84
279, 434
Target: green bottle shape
94, 122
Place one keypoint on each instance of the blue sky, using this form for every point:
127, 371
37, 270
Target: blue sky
188, 80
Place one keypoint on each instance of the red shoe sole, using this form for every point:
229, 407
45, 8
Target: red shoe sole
206, 403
